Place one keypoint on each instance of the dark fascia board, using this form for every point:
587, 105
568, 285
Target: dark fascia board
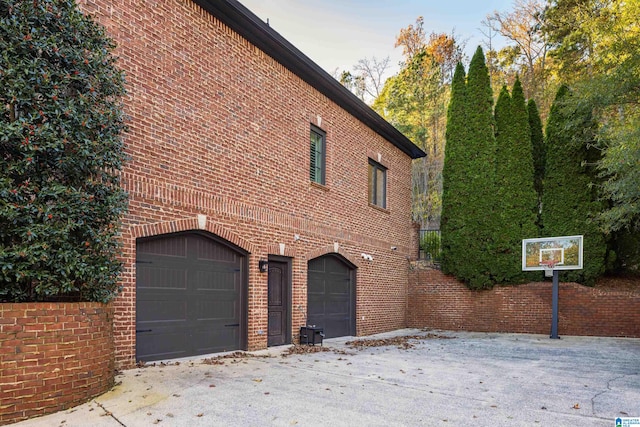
241, 20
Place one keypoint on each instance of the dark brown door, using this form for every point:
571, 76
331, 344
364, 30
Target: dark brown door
331, 296
278, 303
189, 296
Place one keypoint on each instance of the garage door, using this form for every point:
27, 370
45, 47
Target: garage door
331, 296
189, 296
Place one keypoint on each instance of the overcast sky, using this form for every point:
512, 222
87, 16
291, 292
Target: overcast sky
337, 33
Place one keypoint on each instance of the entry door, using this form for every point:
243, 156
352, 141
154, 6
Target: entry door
278, 303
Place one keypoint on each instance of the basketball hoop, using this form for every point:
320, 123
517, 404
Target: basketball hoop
552, 254
548, 266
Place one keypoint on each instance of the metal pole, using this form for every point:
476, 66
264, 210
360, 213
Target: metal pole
554, 306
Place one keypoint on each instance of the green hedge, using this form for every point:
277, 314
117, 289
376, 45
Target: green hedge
60, 153
569, 198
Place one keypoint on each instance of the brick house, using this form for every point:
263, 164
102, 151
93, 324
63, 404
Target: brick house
264, 196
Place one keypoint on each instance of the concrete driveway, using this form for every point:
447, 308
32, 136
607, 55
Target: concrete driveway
442, 379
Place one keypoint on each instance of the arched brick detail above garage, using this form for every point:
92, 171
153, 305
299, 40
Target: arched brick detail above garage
335, 248
198, 222
282, 249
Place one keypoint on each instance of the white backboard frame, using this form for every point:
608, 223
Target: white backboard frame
534, 248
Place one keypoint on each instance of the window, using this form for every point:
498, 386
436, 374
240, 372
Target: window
318, 149
377, 184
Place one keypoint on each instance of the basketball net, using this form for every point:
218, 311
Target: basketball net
548, 267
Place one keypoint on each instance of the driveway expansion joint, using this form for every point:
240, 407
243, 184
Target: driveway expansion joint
109, 414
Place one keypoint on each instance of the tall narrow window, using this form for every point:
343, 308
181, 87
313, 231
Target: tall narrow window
377, 184
318, 155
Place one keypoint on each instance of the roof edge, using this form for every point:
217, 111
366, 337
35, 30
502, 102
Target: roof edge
244, 22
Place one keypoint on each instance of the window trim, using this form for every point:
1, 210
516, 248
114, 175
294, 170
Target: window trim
373, 186
313, 167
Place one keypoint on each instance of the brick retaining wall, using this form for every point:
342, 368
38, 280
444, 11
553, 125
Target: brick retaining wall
53, 356
440, 301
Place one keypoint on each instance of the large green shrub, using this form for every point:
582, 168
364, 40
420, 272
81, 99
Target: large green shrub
478, 175
468, 178
451, 224
569, 198
61, 151
516, 202
537, 145
627, 249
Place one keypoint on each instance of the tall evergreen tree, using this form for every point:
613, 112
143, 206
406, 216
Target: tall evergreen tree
515, 208
537, 145
453, 189
504, 141
477, 173
569, 197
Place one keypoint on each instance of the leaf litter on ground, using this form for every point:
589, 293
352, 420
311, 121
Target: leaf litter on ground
304, 349
404, 342
235, 357
143, 364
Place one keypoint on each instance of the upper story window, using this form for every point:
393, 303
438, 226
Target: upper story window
318, 155
377, 184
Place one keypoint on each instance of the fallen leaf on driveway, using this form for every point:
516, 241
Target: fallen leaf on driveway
200, 414
258, 380
236, 356
304, 349
576, 406
213, 362
401, 342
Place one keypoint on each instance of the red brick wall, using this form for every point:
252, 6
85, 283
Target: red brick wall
53, 356
217, 128
441, 302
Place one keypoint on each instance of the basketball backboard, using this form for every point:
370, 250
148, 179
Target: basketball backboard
562, 253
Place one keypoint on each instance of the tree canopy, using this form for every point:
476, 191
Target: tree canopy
415, 102
590, 45
597, 45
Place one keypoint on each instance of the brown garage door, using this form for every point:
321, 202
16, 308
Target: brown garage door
331, 295
189, 296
